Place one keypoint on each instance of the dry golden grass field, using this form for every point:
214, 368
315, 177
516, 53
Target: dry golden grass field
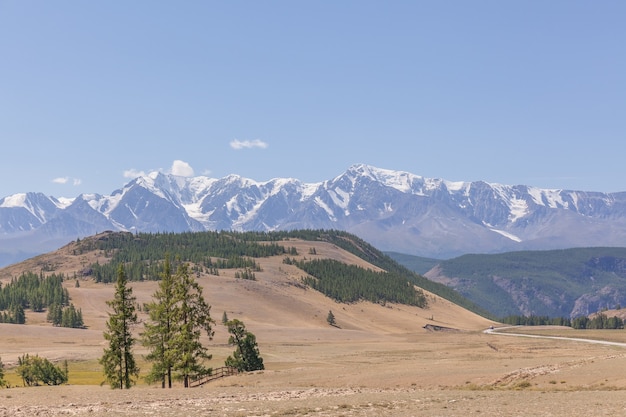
381, 361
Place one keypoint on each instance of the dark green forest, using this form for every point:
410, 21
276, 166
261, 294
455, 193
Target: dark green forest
31, 291
349, 283
599, 321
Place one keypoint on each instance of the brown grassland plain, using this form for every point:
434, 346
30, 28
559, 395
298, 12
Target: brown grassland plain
379, 361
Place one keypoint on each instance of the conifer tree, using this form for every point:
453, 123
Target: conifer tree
193, 319
118, 361
71, 317
246, 356
331, 318
159, 331
66, 370
55, 314
19, 316
2, 381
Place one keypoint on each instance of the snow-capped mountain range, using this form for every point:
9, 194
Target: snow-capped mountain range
393, 210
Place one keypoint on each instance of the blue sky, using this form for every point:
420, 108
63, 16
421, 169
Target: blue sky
92, 93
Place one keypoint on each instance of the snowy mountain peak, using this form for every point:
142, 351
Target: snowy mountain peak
394, 210
38, 205
15, 200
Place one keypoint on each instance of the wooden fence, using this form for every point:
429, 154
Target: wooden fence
215, 374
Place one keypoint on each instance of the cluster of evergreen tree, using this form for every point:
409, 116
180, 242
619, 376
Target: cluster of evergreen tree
350, 283
29, 290
179, 318
36, 371
33, 291
68, 316
246, 274
142, 253
533, 320
600, 321
14, 315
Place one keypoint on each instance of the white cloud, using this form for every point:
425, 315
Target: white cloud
65, 180
61, 180
247, 144
181, 168
133, 173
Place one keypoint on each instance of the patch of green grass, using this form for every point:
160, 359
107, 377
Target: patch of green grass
80, 373
85, 373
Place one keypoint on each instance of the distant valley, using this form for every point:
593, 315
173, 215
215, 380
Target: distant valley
555, 283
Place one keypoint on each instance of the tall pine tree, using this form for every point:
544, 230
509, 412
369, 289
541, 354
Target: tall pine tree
193, 318
118, 361
159, 331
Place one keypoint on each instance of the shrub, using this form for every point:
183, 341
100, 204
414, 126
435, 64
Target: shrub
35, 371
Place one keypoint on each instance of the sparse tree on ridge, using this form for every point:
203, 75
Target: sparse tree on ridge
119, 364
331, 318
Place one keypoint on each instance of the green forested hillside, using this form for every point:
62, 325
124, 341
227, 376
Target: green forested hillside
142, 253
350, 283
367, 252
555, 283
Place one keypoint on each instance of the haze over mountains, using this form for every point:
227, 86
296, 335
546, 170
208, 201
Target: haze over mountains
393, 210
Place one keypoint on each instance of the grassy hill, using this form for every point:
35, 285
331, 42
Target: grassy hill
555, 283
212, 252
274, 302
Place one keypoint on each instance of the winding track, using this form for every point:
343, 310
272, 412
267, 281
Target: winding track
496, 331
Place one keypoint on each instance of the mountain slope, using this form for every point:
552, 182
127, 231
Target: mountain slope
395, 211
556, 283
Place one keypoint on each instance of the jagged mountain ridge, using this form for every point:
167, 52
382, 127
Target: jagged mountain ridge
394, 210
